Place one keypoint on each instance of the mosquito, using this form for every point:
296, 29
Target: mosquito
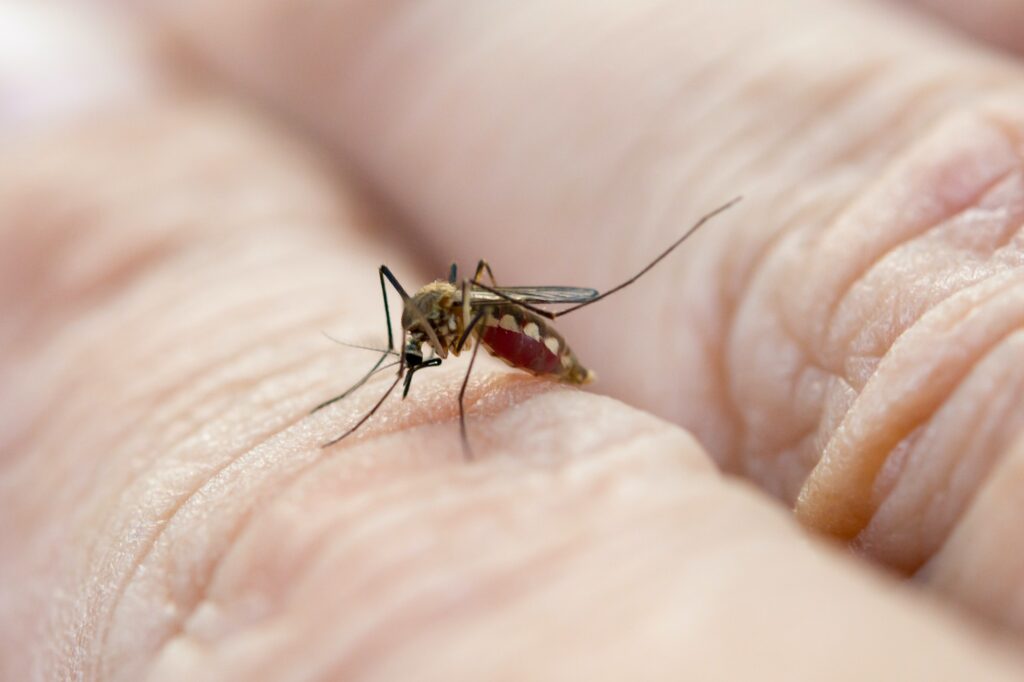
511, 323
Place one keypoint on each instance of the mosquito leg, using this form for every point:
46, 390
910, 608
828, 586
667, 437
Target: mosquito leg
482, 267
466, 448
469, 330
367, 415
391, 341
384, 294
465, 309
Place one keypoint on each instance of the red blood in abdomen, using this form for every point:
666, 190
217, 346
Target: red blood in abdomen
521, 350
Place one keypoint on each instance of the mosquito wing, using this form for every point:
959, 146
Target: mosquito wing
541, 295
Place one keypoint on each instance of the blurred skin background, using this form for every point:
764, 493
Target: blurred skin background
803, 458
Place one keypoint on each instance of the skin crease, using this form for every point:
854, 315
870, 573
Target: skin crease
998, 22
871, 276
169, 510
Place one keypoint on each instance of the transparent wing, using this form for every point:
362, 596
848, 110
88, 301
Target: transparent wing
534, 295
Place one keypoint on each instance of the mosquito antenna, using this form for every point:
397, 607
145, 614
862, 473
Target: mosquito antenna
356, 345
550, 315
686, 235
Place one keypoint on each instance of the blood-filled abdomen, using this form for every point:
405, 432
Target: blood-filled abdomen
522, 340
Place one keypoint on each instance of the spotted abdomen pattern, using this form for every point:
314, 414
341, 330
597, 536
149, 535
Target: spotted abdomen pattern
525, 341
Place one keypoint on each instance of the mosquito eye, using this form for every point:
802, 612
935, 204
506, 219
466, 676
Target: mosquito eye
413, 359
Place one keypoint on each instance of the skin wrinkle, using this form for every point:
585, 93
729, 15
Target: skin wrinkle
729, 402
839, 96
993, 23
375, 430
730, 462
1011, 130
353, 507
989, 584
753, 459
281, 329
959, 266
892, 253
170, 513
848, 289
766, 255
939, 302
500, 588
168, 306
105, 302
157, 398
944, 488
381, 578
144, 551
918, 103
831, 99
121, 435
246, 521
81, 298
914, 107
648, 136
195, 426
818, 507
864, 79
157, 394
892, 470
1010, 235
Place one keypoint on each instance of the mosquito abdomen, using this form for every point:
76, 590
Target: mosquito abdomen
525, 341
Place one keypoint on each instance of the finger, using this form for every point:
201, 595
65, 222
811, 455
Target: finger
203, 532
57, 64
171, 491
986, 535
999, 22
572, 167
613, 554
575, 139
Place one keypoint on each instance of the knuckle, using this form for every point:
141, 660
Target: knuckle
894, 332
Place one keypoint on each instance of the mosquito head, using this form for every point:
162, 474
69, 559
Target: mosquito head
413, 353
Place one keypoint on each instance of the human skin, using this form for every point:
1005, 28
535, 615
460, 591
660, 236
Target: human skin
998, 22
171, 258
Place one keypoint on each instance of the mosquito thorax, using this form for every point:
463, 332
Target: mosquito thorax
432, 301
437, 304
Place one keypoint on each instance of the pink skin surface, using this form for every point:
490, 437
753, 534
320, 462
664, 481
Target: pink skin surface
847, 340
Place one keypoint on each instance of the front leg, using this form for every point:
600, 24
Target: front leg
482, 267
467, 286
466, 293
